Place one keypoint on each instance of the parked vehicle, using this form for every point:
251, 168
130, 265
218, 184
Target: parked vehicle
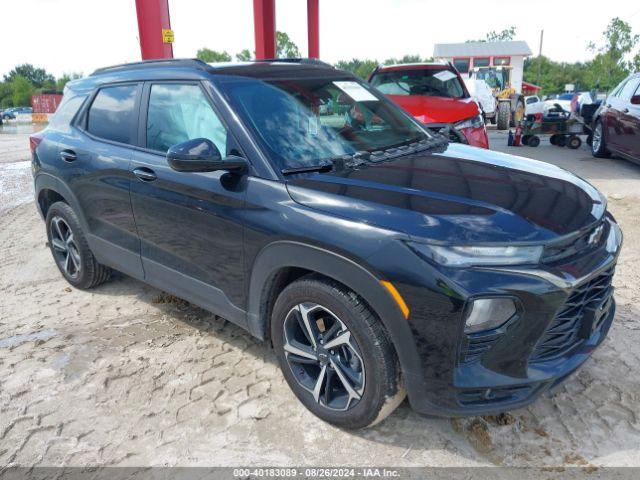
563, 99
616, 127
483, 95
511, 107
533, 104
10, 113
375, 256
436, 95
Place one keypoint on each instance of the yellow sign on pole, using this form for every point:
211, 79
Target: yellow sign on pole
167, 35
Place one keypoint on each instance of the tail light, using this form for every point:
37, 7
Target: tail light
34, 141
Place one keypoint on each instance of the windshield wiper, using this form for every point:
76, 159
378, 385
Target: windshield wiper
323, 167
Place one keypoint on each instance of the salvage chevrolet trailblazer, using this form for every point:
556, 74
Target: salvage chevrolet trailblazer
297, 201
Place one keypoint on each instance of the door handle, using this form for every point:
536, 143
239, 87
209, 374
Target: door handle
608, 105
626, 110
145, 174
68, 155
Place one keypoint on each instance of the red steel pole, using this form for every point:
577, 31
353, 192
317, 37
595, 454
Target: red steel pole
313, 27
153, 18
264, 24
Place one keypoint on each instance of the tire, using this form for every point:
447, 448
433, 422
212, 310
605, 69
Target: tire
553, 139
70, 249
504, 115
518, 114
534, 141
561, 141
598, 144
374, 379
589, 139
574, 142
525, 139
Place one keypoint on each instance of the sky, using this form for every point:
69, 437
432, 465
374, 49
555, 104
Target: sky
81, 35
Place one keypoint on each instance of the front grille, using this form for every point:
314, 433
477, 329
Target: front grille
492, 396
581, 315
593, 238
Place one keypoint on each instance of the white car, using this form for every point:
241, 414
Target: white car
483, 95
533, 104
564, 100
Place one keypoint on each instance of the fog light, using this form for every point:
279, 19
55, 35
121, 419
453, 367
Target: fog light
489, 313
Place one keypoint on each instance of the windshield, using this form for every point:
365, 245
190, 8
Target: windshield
306, 122
432, 82
495, 78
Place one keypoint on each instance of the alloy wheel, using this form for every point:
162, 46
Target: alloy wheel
64, 247
597, 138
323, 356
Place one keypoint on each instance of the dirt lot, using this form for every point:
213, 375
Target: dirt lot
126, 375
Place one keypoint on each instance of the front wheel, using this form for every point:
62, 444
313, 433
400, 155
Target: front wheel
335, 354
504, 115
598, 145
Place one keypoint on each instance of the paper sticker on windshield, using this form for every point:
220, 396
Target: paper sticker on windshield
445, 75
356, 91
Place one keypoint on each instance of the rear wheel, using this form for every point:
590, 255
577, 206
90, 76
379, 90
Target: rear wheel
70, 249
504, 115
335, 354
598, 145
534, 141
561, 141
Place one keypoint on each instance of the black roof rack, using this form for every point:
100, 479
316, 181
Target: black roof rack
305, 61
164, 62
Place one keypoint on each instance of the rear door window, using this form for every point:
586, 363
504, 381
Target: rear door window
112, 114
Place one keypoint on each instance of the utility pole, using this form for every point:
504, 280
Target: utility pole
540, 57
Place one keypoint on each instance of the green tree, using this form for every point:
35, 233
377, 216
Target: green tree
407, 59
21, 91
66, 78
361, 68
6, 94
611, 63
210, 56
501, 36
244, 56
36, 76
285, 48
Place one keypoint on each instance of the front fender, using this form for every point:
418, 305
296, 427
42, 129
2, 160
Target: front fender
283, 254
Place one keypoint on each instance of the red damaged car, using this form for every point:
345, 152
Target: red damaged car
436, 95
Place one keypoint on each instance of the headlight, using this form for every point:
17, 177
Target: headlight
465, 256
488, 313
474, 122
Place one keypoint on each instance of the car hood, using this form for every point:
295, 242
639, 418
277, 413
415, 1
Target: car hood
437, 109
463, 195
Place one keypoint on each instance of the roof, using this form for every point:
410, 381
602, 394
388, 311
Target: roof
413, 66
481, 49
193, 69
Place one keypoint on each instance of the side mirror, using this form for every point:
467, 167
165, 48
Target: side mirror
635, 100
201, 155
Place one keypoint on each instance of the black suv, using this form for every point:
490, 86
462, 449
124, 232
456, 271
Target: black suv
295, 200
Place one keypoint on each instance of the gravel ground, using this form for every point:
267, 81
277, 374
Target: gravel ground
127, 375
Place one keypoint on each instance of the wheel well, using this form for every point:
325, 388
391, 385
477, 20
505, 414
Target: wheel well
48, 197
274, 285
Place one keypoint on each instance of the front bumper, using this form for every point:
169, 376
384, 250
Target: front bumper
523, 362
476, 137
